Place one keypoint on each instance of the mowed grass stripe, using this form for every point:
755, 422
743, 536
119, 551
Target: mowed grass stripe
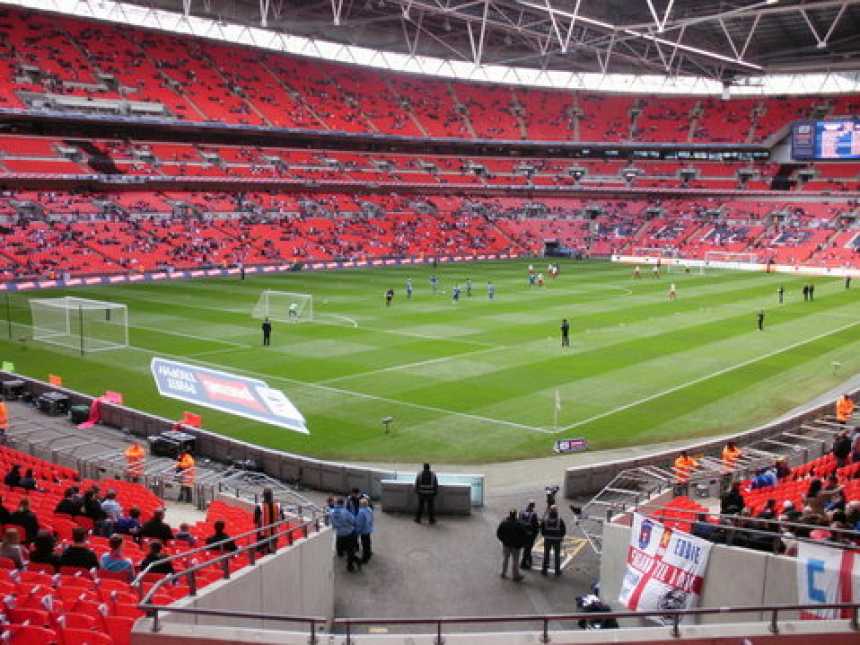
345, 421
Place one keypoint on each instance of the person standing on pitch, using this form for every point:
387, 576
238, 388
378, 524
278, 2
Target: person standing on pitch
389, 296
760, 320
565, 333
811, 292
409, 288
434, 283
426, 487
491, 290
780, 293
468, 287
806, 293
267, 333
847, 281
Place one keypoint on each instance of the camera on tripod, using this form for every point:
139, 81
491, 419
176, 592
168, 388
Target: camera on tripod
551, 492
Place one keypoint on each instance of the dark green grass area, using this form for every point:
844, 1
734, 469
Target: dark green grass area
476, 381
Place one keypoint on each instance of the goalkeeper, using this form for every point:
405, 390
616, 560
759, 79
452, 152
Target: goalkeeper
293, 311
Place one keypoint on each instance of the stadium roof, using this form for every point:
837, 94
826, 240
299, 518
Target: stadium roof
698, 46
713, 38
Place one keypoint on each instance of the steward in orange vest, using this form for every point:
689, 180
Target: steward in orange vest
265, 514
185, 471
135, 459
844, 409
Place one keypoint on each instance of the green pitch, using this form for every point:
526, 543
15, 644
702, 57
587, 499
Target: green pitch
476, 381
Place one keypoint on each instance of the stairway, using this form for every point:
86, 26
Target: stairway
96, 159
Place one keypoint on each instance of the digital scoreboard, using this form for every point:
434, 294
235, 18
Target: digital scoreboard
826, 140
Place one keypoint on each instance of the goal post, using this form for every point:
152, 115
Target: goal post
79, 323
726, 259
284, 306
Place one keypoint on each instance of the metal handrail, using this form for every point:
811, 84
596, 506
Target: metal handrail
152, 609
670, 616
315, 521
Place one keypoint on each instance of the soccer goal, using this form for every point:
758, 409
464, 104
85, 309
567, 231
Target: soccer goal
79, 323
685, 266
725, 259
284, 306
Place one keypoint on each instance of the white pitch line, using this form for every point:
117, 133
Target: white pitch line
208, 339
346, 318
361, 395
706, 377
225, 350
394, 368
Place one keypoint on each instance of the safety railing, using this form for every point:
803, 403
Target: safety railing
672, 618
266, 541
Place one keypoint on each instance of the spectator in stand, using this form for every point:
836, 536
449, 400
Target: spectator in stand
28, 481
704, 529
71, 504
154, 556
836, 504
732, 502
5, 515
782, 468
219, 536
842, 448
852, 515
184, 535
78, 554
817, 496
13, 477
764, 478
789, 513
114, 560
26, 519
157, 528
11, 548
129, 524
92, 506
769, 510
112, 510
44, 549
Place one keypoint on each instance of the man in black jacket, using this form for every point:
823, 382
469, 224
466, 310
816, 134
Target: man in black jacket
426, 487
78, 554
553, 531
157, 528
513, 535
530, 520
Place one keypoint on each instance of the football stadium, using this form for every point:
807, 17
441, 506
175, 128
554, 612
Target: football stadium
429, 321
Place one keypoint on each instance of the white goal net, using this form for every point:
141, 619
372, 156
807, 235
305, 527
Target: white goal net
79, 323
724, 258
284, 306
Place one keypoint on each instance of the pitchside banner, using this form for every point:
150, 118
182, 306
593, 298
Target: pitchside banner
665, 568
824, 576
244, 397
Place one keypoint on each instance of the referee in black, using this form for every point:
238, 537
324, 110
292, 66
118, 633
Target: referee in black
267, 333
565, 333
760, 320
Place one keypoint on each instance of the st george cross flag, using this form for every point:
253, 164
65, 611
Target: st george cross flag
665, 568
825, 576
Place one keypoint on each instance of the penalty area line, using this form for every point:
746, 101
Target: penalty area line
707, 377
337, 390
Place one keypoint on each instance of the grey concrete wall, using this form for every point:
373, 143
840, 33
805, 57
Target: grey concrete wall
296, 581
586, 480
313, 473
735, 577
400, 497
